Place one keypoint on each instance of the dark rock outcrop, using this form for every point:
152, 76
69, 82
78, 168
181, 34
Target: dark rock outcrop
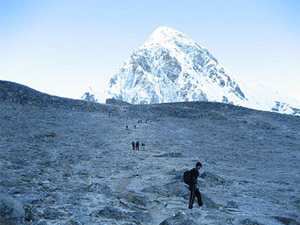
11, 211
119, 214
180, 219
113, 101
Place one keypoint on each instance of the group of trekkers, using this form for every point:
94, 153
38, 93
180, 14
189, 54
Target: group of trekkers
190, 177
135, 145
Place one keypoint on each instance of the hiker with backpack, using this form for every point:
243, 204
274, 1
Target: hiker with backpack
133, 145
190, 178
137, 145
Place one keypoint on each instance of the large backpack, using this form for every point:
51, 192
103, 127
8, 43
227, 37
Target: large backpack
187, 177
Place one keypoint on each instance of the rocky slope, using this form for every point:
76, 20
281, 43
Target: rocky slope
62, 164
170, 67
11, 92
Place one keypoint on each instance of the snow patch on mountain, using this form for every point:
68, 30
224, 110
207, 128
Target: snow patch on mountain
263, 97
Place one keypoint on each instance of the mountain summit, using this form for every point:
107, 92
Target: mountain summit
170, 67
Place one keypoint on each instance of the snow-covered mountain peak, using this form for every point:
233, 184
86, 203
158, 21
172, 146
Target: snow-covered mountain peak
171, 39
171, 67
166, 35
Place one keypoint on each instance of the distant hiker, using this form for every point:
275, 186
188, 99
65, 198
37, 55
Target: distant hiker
133, 145
137, 145
190, 178
127, 127
134, 126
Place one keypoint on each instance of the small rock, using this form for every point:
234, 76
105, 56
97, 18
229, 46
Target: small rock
232, 204
46, 184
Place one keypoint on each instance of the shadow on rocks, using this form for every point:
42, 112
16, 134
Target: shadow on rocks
267, 221
11, 211
179, 189
99, 189
170, 155
180, 219
287, 221
211, 179
31, 214
52, 214
126, 215
134, 200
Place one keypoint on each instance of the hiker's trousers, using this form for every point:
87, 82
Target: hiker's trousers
195, 192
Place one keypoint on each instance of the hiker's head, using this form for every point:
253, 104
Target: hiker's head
198, 165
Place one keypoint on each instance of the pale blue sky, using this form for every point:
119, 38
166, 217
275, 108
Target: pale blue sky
63, 47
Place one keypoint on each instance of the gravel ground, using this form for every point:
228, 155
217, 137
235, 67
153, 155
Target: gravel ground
69, 162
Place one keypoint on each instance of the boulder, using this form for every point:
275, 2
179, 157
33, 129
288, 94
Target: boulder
121, 214
11, 211
135, 199
99, 189
31, 214
212, 179
52, 214
178, 189
287, 221
180, 219
259, 221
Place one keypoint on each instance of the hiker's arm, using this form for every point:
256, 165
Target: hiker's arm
194, 177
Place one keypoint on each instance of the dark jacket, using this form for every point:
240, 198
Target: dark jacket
194, 174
